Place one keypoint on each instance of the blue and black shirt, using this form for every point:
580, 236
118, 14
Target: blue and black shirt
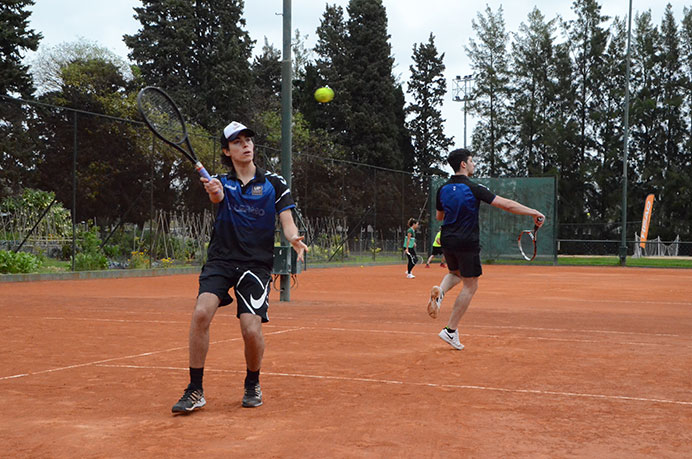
460, 199
246, 219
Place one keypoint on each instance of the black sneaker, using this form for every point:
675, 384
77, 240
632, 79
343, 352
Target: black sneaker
253, 396
192, 399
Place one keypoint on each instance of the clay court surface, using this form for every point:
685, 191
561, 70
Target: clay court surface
559, 362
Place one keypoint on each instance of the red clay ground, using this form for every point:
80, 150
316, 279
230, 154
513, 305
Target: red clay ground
559, 362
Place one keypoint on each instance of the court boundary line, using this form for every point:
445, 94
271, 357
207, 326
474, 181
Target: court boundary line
341, 329
434, 385
503, 327
134, 356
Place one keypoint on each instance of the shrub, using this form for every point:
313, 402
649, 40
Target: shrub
20, 262
139, 260
90, 262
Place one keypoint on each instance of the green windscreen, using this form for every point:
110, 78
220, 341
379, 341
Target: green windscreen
500, 229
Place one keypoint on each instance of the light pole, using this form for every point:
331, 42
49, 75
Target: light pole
623, 243
463, 94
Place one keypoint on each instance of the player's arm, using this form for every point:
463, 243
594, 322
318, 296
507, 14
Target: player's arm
214, 189
291, 233
517, 208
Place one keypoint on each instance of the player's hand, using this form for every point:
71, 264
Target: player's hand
299, 246
213, 188
539, 219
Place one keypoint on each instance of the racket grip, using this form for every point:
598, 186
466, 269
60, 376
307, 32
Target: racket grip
203, 172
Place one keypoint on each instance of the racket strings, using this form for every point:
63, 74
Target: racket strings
526, 245
163, 116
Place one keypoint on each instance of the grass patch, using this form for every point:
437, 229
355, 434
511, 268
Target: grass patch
663, 262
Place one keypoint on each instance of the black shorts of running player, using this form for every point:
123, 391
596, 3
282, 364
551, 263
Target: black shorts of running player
467, 262
437, 250
251, 285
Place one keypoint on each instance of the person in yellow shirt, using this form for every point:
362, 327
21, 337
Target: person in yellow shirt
436, 250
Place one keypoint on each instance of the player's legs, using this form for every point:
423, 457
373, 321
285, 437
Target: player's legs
252, 292
462, 301
411, 262
205, 309
251, 329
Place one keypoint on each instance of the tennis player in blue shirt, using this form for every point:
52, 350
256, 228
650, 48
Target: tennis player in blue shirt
240, 256
458, 203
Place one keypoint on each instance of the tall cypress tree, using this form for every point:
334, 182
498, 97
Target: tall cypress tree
15, 39
608, 135
646, 94
428, 87
200, 52
329, 69
672, 207
588, 39
369, 83
490, 64
533, 64
684, 164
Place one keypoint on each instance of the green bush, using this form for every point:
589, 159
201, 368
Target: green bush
20, 262
91, 256
90, 262
139, 260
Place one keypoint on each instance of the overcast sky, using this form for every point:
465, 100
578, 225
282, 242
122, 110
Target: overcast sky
410, 22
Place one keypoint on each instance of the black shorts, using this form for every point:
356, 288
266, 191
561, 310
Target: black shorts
467, 262
437, 250
251, 285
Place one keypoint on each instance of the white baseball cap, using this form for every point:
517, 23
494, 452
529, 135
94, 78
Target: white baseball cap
233, 130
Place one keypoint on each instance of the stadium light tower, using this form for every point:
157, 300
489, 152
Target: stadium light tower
463, 94
623, 242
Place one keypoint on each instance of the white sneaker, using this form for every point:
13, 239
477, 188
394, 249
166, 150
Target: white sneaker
435, 301
451, 338
410, 276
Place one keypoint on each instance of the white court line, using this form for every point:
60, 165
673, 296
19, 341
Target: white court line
144, 354
444, 386
535, 338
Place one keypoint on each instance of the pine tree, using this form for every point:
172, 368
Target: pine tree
533, 64
427, 86
15, 39
588, 39
684, 164
671, 207
369, 83
200, 53
489, 59
608, 134
645, 103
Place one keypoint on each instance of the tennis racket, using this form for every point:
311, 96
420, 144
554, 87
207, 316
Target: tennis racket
527, 243
164, 119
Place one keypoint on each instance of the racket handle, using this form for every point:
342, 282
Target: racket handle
203, 172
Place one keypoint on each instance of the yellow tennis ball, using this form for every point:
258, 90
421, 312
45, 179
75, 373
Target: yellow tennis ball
324, 94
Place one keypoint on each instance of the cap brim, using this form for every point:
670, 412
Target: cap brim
247, 132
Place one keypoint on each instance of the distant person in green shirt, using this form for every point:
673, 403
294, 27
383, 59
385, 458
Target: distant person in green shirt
410, 246
436, 250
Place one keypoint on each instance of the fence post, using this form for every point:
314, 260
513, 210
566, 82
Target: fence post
74, 193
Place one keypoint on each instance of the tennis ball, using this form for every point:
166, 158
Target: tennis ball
324, 94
